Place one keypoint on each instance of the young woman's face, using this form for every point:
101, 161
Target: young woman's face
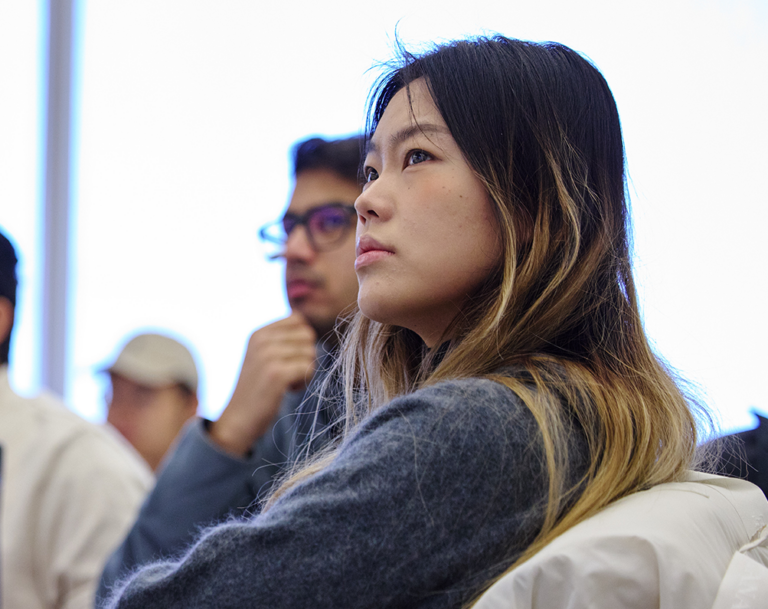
426, 233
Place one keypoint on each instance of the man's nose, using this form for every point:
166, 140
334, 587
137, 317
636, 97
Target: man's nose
298, 246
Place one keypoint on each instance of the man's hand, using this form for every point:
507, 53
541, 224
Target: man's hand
280, 357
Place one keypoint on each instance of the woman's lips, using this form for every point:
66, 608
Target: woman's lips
369, 251
370, 257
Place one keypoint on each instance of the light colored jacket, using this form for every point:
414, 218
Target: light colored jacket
70, 490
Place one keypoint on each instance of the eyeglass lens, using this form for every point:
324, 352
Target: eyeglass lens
326, 224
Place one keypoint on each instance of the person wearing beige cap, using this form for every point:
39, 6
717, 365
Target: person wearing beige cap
153, 393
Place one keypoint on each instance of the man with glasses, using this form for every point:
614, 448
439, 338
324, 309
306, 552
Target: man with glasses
220, 468
316, 237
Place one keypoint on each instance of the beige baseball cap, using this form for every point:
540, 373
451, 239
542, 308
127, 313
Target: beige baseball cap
155, 360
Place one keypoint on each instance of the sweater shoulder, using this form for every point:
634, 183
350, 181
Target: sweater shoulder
473, 401
479, 415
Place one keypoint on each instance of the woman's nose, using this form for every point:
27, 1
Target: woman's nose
369, 205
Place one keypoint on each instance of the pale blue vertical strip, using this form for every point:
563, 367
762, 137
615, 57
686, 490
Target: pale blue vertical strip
57, 195
77, 42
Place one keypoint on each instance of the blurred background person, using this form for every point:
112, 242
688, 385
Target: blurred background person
153, 393
220, 468
70, 488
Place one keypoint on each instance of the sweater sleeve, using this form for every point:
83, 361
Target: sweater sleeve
432, 495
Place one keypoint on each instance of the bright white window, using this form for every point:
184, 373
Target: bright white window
21, 78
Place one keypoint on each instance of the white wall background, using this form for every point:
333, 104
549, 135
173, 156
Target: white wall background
21, 81
188, 109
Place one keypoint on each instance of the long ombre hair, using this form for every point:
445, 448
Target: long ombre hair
558, 321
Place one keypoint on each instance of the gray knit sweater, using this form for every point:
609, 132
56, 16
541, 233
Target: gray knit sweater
430, 497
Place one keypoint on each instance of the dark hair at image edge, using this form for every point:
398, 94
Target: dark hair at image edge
539, 126
341, 156
8, 284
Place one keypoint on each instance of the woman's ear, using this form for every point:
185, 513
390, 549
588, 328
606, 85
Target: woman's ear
6, 318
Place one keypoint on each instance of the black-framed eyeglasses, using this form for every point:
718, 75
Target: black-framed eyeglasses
326, 225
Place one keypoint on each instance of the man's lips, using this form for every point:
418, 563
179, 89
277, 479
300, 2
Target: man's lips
299, 288
369, 250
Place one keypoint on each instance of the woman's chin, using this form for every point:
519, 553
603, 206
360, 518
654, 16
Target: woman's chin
374, 314
381, 314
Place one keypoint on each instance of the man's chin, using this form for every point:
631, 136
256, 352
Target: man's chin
321, 321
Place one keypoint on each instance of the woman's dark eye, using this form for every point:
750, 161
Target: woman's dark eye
370, 174
418, 156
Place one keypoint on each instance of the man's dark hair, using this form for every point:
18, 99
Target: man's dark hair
342, 156
8, 283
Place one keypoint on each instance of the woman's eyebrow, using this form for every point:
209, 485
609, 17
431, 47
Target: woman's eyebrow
406, 133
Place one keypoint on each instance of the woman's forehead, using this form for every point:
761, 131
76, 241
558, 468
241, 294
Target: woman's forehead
410, 112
